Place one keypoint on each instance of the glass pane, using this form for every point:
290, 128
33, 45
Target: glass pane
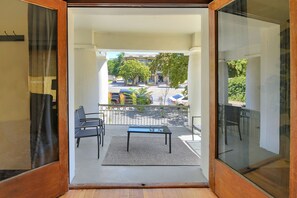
28, 108
253, 90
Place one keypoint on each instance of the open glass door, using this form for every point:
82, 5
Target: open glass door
33, 113
253, 83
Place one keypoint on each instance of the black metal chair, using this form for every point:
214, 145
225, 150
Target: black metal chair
43, 130
232, 118
86, 120
82, 131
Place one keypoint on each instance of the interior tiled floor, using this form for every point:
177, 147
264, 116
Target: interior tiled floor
89, 169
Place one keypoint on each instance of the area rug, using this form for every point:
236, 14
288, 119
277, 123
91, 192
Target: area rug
195, 145
149, 151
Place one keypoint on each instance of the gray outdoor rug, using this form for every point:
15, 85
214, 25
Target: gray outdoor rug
195, 146
149, 151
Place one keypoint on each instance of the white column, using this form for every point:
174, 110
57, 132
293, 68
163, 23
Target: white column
253, 84
223, 82
270, 89
102, 79
194, 82
86, 79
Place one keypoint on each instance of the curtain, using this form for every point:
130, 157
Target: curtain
43, 72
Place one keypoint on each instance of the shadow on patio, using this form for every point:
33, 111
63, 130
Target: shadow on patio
148, 170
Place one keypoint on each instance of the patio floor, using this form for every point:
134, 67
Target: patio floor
90, 170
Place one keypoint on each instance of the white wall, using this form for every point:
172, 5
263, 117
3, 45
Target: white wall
71, 95
15, 95
205, 94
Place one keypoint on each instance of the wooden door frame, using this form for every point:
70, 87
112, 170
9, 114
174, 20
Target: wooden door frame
223, 180
293, 105
52, 179
138, 3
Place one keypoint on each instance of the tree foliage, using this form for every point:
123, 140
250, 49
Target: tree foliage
110, 66
131, 69
173, 65
115, 64
237, 67
236, 88
237, 79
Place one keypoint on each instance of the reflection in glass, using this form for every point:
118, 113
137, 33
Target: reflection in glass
28, 111
253, 92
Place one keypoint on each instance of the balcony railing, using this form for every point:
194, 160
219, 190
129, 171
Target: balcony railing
145, 114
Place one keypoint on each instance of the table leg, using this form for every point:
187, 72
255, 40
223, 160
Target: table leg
165, 139
128, 139
169, 143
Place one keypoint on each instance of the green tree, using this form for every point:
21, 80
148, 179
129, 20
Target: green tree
131, 69
237, 68
237, 88
115, 64
144, 73
173, 65
237, 79
110, 65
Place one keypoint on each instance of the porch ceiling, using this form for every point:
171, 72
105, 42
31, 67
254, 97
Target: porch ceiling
144, 20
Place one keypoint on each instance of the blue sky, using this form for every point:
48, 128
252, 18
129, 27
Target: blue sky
111, 55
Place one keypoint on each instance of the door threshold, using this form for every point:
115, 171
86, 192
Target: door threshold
139, 185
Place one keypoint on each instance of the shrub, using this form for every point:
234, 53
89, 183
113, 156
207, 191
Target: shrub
236, 88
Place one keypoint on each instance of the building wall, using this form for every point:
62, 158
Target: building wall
14, 99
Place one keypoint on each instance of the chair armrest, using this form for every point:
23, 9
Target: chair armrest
197, 127
196, 116
89, 119
95, 114
89, 126
193, 117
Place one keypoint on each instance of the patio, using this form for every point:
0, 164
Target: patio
90, 170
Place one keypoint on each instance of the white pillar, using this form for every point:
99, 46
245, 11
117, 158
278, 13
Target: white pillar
194, 82
102, 79
253, 84
270, 89
86, 79
223, 82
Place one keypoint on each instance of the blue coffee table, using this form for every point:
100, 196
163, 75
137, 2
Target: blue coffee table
149, 130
